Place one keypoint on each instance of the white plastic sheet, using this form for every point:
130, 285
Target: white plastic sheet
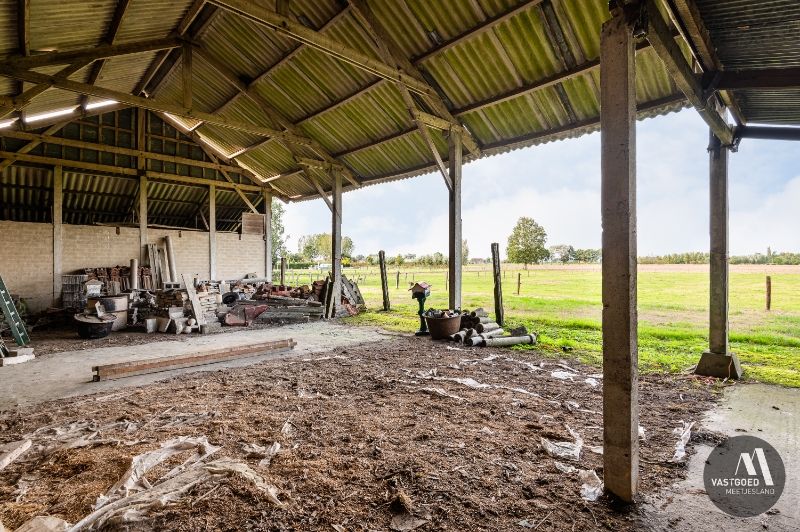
591, 485
684, 433
564, 449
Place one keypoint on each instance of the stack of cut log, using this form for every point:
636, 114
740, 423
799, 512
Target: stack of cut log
289, 309
172, 298
478, 329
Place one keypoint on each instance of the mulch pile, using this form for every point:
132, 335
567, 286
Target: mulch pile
373, 437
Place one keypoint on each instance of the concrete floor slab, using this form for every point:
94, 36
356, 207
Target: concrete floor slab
771, 413
69, 373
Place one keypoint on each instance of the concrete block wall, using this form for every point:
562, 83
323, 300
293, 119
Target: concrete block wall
26, 254
191, 249
88, 246
238, 255
26, 261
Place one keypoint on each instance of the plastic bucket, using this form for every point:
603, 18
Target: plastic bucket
442, 328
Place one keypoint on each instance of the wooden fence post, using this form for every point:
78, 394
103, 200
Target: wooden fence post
498, 285
519, 281
769, 292
384, 280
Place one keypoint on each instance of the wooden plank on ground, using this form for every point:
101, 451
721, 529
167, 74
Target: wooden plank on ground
197, 309
154, 365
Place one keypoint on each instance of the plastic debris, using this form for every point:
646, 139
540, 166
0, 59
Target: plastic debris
565, 468
253, 450
12, 451
592, 382
564, 449
591, 485
44, 523
642, 435
684, 433
563, 375
596, 449
440, 392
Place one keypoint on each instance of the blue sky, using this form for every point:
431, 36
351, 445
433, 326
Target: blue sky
558, 184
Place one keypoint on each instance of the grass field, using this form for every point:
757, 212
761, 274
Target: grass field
563, 305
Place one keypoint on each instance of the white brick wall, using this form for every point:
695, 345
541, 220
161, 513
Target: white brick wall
26, 254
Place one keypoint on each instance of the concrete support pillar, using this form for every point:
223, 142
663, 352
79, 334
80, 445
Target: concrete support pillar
172, 267
144, 257
58, 242
618, 198
718, 361
336, 244
268, 235
212, 232
454, 261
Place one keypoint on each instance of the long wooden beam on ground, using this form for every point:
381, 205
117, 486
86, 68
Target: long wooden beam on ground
147, 103
313, 39
660, 37
154, 365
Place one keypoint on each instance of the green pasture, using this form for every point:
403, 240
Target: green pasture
563, 305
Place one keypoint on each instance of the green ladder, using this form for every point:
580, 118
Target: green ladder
12, 318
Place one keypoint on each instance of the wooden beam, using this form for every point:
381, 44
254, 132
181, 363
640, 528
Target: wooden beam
313, 39
320, 191
212, 232
186, 74
268, 235
91, 54
454, 242
61, 141
766, 78
336, 243
660, 36
143, 241
5, 163
18, 103
618, 210
477, 30
273, 113
58, 235
24, 26
148, 103
111, 37
393, 54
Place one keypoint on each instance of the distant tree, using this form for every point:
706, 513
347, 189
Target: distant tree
588, 256
464, 251
278, 229
318, 247
526, 243
438, 259
399, 260
371, 260
562, 253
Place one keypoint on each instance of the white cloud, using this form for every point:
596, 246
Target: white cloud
558, 184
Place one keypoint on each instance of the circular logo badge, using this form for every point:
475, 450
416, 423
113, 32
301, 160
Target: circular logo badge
744, 476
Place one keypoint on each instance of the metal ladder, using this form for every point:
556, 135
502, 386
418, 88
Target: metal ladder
12, 318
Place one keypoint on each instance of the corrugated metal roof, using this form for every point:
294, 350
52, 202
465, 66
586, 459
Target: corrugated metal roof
498, 65
758, 34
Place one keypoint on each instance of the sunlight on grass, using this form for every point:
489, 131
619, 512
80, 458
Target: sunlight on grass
564, 307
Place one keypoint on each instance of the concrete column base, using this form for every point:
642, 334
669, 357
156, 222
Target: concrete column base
719, 365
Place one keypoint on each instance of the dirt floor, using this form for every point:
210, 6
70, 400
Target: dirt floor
372, 437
